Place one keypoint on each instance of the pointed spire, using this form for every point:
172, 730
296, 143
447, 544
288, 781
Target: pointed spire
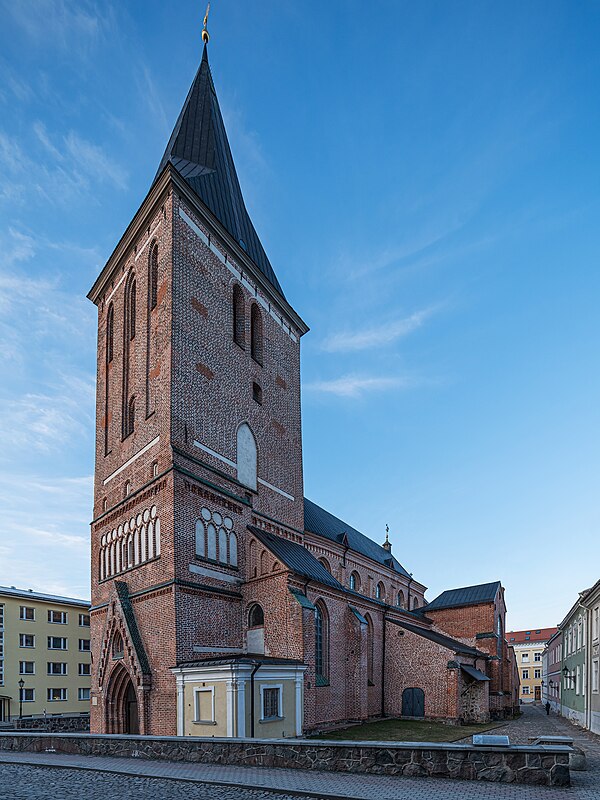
199, 150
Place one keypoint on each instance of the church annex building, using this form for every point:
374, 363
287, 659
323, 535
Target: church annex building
225, 603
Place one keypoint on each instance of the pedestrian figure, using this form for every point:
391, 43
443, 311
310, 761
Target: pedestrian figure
547, 707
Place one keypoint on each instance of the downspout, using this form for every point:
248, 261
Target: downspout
255, 669
383, 669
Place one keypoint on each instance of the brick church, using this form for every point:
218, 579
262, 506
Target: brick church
225, 603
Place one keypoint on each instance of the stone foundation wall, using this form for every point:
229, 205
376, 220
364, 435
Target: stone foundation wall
538, 765
66, 724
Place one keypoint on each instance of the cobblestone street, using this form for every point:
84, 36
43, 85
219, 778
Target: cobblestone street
29, 776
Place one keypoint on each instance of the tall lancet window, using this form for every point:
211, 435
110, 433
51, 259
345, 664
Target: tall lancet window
239, 316
247, 457
152, 301
256, 334
110, 336
128, 337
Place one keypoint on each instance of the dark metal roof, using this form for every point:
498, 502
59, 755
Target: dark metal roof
28, 594
321, 522
296, 557
199, 151
132, 626
465, 596
440, 638
476, 674
241, 658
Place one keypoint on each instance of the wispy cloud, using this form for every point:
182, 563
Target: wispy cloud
348, 341
94, 161
69, 25
357, 385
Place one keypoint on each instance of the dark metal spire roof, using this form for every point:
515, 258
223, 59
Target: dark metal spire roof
465, 596
199, 151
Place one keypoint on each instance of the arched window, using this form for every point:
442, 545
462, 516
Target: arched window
239, 316
325, 563
153, 276
130, 423
256, 334
247, 456
415, 602
370, 649
380, 591
321, 643
128, 335
212, 541
401, 598
233, 554
131, 310
263, 563
110, 333
222, 545
256, 616
355, 581
117, 645
200, 539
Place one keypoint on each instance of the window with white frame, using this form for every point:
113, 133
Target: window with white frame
27, 695
577, 679
525, 674
271, 702
204, 705
525, 689
537, 656
85, 669
537, 673
27, 613
84, 645
26, 640
26, 667
57, 668
56, 695
83, 693
84, 620
57, 643
524, 656
57, 617
596, 675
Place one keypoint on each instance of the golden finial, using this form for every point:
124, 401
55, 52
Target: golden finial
205, 36
387, 533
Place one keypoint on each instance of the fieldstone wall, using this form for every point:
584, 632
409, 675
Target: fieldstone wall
64, 724
538, 765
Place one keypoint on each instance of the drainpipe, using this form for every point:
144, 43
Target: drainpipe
383, 669
255, 669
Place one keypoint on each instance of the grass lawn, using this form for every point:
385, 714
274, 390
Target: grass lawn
406, 730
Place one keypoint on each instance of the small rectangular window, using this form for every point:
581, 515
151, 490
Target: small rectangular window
525, 674
537, 657
26, 667
26, 640
537, 673
56, 695
525, 689
27, 613
28, 695
57, 668
57, 643
83, 693
57, 617
205, 705
84, 645
271, 702
84, 620
85, 669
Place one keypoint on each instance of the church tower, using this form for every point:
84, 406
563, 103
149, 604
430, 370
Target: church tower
198, 444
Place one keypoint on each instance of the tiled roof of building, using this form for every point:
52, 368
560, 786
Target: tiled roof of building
296, 557
533, 635
199, 151
46, 598
440, 638
322, 523
465, 596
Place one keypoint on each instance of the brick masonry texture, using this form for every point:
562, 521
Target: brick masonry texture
541, 766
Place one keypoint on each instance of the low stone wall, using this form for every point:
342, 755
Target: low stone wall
539, 765
65, 724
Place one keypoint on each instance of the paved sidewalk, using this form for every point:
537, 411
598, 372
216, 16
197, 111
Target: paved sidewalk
216, 781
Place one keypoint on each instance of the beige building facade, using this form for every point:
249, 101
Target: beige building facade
45, 659
529, 648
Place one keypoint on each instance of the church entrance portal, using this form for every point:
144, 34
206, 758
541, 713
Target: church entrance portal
413, 703
122, 704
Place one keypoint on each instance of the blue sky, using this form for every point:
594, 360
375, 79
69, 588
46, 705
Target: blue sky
425, 179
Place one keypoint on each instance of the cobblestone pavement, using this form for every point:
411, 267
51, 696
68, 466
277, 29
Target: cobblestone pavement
93, 778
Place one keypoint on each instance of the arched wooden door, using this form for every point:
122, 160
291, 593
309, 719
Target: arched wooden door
122, 705
413, 702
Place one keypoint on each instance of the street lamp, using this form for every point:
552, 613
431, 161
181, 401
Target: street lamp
568, 676
21, 685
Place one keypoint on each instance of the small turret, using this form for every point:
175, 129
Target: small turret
386, 545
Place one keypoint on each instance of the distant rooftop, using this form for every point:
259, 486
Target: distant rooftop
29, 594
533, 635
464, 596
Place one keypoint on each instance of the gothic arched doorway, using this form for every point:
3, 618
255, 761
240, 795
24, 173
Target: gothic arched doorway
122, 704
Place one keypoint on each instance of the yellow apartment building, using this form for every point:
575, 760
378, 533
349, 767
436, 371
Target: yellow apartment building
45, 659
529, 646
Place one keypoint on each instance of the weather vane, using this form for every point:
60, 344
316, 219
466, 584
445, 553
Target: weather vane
387, 531
205, 36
